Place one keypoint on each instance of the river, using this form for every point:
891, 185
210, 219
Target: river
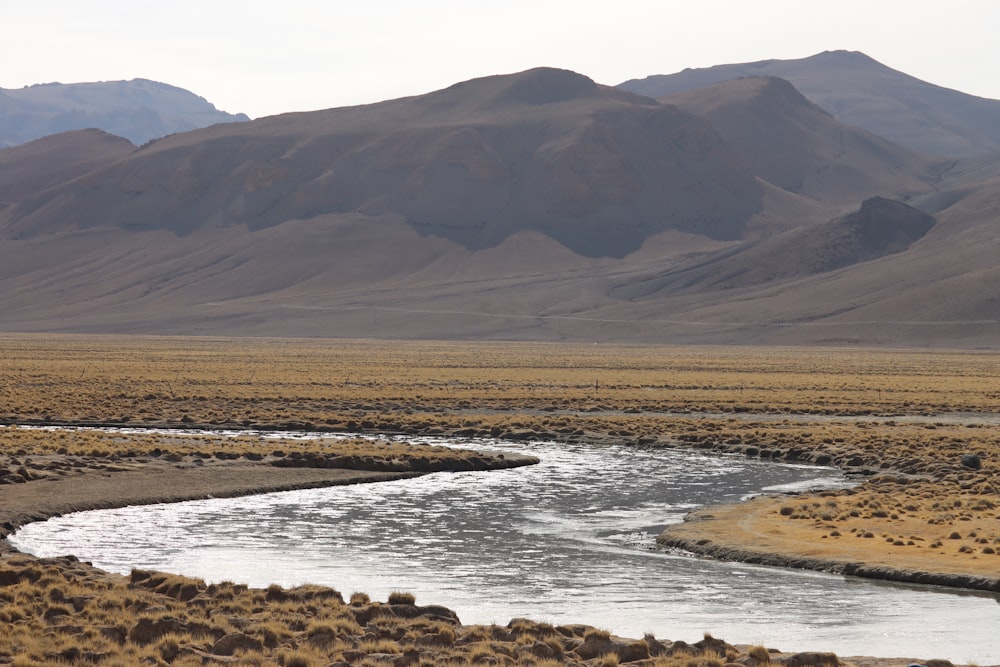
567, 541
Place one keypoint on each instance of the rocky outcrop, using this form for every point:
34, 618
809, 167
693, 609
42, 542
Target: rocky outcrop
236, 641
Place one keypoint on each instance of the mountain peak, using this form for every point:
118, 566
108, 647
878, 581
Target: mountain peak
536, 87
844, 55
846, 59
539, 90
764, 86
858, 90
547, 85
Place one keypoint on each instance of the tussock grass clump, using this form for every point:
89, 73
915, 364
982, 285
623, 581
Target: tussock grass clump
140, 619
397, 597
300, 658
607, 660
596, 635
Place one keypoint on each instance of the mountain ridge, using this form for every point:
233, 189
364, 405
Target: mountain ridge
858, 90
799, 147
587, 167
139, 110
538, 205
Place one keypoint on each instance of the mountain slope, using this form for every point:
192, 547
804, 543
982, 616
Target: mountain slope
595, 168
940, 290
880, 227
538, 205
860, 91
797, 146
30, 168
139, 110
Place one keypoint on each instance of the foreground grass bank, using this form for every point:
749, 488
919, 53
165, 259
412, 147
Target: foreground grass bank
930, 505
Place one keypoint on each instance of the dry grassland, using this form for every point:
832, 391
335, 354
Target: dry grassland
60, 611
247, 382
907, 421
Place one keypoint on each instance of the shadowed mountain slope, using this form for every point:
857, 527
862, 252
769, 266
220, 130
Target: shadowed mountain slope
797, 146
30, 168
139, 110
941, 290
860, 91
595, 168
538, 205
880, 227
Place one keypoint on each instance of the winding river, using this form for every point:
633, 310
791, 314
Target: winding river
568, 540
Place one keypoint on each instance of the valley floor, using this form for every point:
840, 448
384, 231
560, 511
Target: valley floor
919, 427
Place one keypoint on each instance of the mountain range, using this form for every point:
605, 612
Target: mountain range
860, 91
538, 205
139, 110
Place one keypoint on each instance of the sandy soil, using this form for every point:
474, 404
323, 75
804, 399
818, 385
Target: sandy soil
900, 550
164, 482
930, 514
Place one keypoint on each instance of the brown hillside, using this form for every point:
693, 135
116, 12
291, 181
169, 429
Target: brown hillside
880, 227
28, 169
535, 206
862, 92
595, 168
942, 288
795, 145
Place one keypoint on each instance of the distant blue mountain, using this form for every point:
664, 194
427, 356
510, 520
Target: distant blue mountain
139, 110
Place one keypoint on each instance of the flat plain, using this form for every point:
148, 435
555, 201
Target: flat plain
921, 429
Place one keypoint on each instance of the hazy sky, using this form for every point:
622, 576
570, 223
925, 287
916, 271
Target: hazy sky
264, 57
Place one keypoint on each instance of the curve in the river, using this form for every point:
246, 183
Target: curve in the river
567, 540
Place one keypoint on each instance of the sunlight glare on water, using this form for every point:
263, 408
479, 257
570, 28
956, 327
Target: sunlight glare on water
567, 541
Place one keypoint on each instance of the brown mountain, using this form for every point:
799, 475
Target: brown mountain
29, 169
862, 92
880, 227
530, 206
797, 146
941, 290
595, 168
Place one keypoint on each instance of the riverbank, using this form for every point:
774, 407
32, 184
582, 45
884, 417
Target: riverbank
41, 477
752, 533
60, 610
904, 420
922, 512
929, 512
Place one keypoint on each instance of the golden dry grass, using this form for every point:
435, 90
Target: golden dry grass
269, 381
872, 411
60, 611
924, 511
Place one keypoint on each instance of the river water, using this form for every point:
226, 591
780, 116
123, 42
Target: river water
568, 540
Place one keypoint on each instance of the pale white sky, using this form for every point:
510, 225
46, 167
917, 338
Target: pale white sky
262, 57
